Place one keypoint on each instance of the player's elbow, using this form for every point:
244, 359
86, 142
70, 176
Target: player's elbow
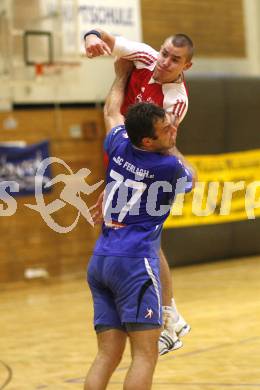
109, 111
111, 117
111, 107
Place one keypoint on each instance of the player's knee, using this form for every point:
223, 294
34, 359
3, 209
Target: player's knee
147, 354
112, 353
145, 346
112, 358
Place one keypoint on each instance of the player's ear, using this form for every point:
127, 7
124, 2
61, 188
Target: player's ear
188, 65
146, 142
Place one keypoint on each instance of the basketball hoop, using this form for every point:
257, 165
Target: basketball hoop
38, 70
54, 68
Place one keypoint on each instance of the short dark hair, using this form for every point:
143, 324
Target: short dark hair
182, 40
140, 119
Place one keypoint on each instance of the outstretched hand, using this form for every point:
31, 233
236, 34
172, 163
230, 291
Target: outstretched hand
95, 47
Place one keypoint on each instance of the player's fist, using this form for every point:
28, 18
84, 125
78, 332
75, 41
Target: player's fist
95, 47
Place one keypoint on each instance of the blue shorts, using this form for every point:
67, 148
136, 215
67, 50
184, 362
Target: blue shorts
125, 290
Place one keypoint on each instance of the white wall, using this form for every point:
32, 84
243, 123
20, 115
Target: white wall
89, 82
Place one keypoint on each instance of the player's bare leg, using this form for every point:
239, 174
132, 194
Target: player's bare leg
166, 280
144, 351
174, 326
111, 345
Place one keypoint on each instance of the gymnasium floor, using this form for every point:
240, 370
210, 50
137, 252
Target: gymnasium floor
47, 340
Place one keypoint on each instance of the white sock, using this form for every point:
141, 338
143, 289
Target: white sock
175, 311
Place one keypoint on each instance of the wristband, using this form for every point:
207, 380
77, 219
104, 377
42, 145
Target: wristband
92, 32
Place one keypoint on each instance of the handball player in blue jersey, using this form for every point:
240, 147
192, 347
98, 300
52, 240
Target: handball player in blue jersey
123, 274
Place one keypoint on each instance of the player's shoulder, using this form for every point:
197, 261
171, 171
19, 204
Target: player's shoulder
118, 130
175, 90
170, 162
115, 137
143, 55
175, 99
166, 164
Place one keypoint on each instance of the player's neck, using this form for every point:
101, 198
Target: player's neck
153, 149
178, 79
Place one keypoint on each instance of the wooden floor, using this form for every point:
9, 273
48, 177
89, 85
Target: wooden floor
47, 340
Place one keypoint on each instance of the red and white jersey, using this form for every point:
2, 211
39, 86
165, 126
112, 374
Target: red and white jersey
142, 87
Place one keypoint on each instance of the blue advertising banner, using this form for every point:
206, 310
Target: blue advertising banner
20, 164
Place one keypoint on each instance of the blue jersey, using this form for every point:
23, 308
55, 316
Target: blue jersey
140, 188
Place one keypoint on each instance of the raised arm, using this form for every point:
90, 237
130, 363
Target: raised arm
114, 100
98, 42
113, 116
